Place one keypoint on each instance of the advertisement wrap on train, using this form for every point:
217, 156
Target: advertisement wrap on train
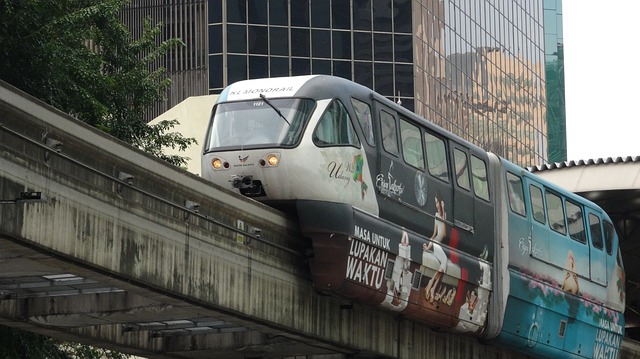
409, 218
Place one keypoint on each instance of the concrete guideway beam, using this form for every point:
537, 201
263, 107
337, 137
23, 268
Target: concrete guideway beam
116, 218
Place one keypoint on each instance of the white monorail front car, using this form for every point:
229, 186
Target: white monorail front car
263, 147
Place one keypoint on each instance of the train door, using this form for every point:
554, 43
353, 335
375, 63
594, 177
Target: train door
463, 201
484, 218
597, 254
394, 180
519, 224
539, 230
438, 178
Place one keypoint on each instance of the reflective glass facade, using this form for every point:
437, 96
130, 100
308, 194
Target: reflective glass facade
474, 67
554, 61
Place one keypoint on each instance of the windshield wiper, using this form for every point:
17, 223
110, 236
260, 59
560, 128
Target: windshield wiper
264, 98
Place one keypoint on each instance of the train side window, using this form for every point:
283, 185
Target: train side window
555, 212
480, 179
575, 220
335, 128
363, 114
461, 169
609, 233
389, 132
436, 157
595, 230
411, 144
516, 194
537, 204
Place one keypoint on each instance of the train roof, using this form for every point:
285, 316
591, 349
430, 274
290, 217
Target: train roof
327, 86
323, 86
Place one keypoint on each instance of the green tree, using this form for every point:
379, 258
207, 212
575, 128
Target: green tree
79, 57
17, 344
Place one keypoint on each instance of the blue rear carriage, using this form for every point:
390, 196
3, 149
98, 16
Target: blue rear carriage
407, 217
566, 295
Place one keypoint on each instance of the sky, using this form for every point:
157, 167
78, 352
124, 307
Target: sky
602, 78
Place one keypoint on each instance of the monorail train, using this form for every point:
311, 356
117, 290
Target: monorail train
408, 217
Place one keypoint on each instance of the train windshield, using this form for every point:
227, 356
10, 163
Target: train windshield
259, 123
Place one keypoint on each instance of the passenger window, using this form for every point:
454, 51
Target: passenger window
411, 144
576, 222
389, 132
609, 233
555, 211
516, 194
335, 127
436, 157
480, 180
363, 114
595, 230
461, 169
537, 204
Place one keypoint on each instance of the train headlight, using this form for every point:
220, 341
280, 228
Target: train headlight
273, 160
218, 163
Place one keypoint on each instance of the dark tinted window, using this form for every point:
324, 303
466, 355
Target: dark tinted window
300, 67
404, 80
461, 169
320, 13
215, 39
300, 13
403, 48
258, 40
575, 220
335, 127
596, 231
215, 11
215, 71
382, 15
341, 44
237, 68
258, 67
383, 76
342, 69
257, 11
363, 114
411, 144
537, 204
321, 43
278, 12
515, 192
300, 42
279, 37
362, 15
363, 73
389, 132
609, 234
480, 179
383, 47
436, 157
555, 212
237, 39
321, 67
341, 14
402, 16
362, 46
237, 11
279, 66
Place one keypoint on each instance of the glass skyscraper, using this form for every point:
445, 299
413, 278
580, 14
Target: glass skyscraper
474, 67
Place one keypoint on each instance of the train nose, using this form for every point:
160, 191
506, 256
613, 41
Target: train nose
241, 182
248, 186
